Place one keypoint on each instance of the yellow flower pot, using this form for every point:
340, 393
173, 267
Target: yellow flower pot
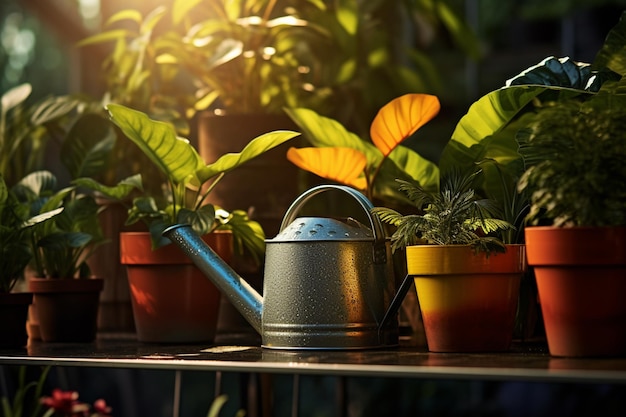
468, 300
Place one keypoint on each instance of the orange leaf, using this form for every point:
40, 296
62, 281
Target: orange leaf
400, 118
344, 165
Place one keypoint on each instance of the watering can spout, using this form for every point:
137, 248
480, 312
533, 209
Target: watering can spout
241, 295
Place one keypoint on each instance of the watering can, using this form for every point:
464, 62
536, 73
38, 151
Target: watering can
328, 284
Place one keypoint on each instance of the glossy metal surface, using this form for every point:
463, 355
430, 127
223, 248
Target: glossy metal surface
327, 283
527, 362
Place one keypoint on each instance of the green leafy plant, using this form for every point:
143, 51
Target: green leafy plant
574, 154
262, 56
25, 129
494, 124
62, 243
488, 130
15, 249
56, 229
247, 56
453, 216
189, 180
22, 402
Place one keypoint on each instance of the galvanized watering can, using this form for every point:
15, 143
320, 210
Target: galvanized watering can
328, 284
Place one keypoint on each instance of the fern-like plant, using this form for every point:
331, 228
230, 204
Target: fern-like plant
454, 215
574, 157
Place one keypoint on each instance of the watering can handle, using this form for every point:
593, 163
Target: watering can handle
366, 205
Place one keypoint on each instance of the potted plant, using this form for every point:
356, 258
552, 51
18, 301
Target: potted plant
577, 235
15, 255
189, 181
499, 122
25, 130
467, 280
62, 244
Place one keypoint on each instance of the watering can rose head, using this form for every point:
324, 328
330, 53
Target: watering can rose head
189, 179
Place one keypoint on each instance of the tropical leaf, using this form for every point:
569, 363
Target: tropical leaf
254, 148
182, 8
400, 118
552, 71
38, 183
248, 235
126, 14
344, 165
52, 108
117, 192
108, 36
612, 55
13, 97
322, 131
415, 166
173, 155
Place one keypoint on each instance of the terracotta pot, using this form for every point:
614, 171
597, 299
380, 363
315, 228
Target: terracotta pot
468, 301
13, 314
172, 300
67, 309
581, 279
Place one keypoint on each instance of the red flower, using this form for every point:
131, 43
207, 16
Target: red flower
101, 409
66, 404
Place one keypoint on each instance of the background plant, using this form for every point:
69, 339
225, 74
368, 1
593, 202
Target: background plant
344, 59
15, 248
27, 128
23, 402
62, 243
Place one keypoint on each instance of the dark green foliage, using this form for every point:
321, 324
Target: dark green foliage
575, 155
452, 216
14, 251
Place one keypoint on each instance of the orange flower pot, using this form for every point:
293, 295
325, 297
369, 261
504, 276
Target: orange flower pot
581, 279
468, 301
172, 300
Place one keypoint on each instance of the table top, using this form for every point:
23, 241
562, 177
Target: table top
524, 361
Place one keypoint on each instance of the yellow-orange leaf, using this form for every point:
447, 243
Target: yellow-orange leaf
400, 118
344, 165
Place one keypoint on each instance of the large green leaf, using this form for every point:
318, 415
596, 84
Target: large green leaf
35, 184
181, 9
253, 149
417, 167
552, 71
108, 36
53, 108
4, 193
492, 112
117, 192
173, 155
612, 55
14, 97
322, 131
